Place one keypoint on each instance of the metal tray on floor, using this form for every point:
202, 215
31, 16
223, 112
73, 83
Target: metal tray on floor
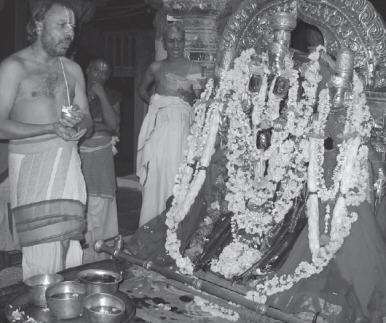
43, 315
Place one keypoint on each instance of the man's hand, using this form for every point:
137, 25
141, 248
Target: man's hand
68, 133
72, 118
98, 89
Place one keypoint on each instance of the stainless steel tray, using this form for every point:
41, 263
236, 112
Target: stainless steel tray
42, 315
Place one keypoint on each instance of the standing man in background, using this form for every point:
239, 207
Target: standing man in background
164, 131
98, 159
44, 112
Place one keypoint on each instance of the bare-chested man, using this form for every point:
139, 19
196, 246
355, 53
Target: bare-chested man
43, 112
162, 139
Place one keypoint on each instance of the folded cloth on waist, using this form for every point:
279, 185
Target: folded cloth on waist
48, 193
98, 166
164, 112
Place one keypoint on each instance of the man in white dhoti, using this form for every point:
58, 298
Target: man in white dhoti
162, 139
44, 112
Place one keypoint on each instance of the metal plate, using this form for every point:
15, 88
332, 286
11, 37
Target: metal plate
42, 315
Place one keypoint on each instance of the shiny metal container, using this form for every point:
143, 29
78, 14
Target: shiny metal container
37, 286
104, 308
100, 280
65, 300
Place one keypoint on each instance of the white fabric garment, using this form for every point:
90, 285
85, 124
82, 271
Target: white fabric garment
49, 258
102, 224
161, 145
8, 238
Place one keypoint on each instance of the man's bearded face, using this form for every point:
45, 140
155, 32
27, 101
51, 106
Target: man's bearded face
58, 30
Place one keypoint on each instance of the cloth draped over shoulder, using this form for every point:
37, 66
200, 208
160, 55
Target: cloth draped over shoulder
176, 81
48, 193
161, 146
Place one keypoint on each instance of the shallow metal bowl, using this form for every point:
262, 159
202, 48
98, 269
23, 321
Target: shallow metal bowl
37, 286
104, 308
100, 280
65, 299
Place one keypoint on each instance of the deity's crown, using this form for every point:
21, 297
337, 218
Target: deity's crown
344, 68
283, 21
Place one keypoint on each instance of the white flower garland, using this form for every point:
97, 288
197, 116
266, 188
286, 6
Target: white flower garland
216, 310
180, 208
235, 258
205, 131
352, 192
190, 179
283, 154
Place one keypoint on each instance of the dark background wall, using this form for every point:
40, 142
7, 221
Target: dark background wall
132, 16
7, 28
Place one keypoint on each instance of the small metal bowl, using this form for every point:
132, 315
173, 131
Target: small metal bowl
65, 299
100, 280
104, 308
37, 286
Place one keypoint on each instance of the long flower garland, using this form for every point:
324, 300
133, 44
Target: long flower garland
192, 173
250, 194
352, 191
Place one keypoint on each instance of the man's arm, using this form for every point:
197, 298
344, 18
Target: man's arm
108, 113
80, 99
11, 72
147, 81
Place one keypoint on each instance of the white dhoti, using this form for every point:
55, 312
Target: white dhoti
8, 238
50, 257
48, 197
161, 145
102, 224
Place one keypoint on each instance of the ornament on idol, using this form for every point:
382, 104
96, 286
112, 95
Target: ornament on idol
340, 86
283, 24
346, 190
257, 72
341, 81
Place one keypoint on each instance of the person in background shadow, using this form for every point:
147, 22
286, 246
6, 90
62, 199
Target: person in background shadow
98, 160
164, 131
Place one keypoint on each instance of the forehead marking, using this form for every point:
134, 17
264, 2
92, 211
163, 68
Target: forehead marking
70, 20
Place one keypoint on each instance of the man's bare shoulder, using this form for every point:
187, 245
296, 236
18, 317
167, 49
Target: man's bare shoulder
71, 65
13, 65
155, 66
